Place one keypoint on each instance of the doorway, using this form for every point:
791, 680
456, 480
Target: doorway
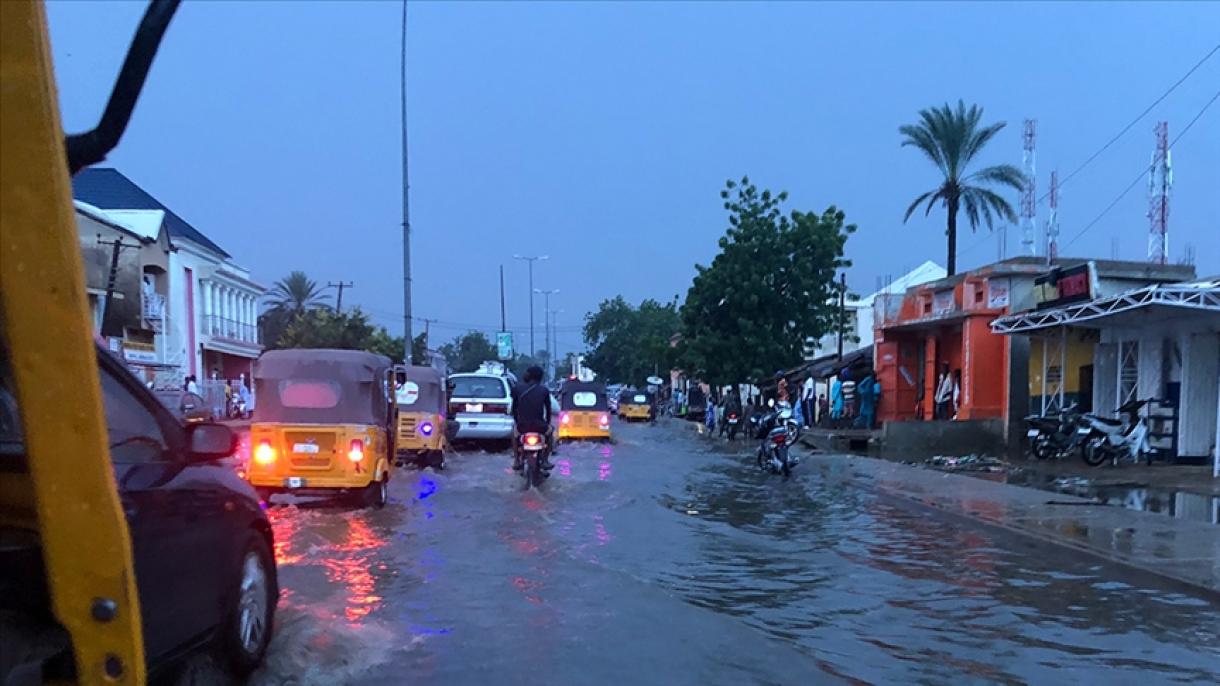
1084, 398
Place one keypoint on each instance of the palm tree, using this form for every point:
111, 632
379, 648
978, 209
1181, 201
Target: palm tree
296, 294
951, 139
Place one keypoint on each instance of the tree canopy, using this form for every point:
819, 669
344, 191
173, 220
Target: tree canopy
300, 318
629, 344
772, 285
466, 352
951, 138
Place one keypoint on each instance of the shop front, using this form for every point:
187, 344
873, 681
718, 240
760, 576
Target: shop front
1160, 342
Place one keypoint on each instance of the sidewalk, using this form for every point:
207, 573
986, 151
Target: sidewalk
1182, 550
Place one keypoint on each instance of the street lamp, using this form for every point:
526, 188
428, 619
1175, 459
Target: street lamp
554, 317
547, 335
531, 260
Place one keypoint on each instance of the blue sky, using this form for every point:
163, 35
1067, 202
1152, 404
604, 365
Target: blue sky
601, 133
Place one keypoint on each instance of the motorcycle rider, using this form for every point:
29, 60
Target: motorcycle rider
532, 412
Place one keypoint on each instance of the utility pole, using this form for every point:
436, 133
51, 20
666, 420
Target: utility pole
531, 261
842, 309
117, 245
427, 329
546, 337
341, 285
408, 339
554, 315
503, 323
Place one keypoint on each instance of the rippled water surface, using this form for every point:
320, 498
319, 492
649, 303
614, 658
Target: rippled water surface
665, 558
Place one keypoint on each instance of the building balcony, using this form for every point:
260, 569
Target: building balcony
231, 329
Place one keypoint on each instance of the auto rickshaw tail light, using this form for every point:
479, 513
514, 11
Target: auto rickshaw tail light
426, 428
604, 420
264, 453
356, 453
565, 418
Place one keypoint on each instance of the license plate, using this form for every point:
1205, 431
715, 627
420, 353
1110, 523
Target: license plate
1083, 431
533, 448
1031, 433
732, 421
474, 407
308, 448
294, 482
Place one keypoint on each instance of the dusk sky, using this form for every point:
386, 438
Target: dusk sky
601, 134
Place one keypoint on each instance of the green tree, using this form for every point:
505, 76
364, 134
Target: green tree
773, 284
629, 344
466, 352
419, 349
351, 330
951, 139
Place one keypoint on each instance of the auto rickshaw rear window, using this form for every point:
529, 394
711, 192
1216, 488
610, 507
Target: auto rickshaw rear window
584, 399
310, 394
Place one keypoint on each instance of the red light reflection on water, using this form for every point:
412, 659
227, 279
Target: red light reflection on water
599, 530
351, 565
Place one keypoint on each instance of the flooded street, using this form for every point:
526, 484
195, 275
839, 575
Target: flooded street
667, 558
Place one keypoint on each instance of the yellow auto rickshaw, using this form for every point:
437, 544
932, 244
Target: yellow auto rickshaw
583, 411
422, 402
323, 425
636, 405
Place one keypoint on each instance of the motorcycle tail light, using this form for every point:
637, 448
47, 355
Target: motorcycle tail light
532, 439
264, 453
356, 452
779, 438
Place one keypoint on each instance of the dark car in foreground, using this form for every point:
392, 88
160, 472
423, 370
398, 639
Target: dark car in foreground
201, 542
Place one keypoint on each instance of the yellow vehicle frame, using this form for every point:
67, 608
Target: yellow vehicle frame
68, 496
634, 411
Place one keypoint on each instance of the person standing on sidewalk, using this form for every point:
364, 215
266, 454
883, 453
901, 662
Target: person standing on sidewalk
868, 403
944, 393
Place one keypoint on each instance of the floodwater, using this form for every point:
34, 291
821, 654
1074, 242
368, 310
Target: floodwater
667, 558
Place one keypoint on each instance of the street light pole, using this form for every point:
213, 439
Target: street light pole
547, 318
408, 339
554, 314
531, 260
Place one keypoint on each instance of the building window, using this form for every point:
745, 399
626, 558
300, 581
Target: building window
1128, 371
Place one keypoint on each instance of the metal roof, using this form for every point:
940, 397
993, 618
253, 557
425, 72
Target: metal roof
108, 189
1199, 296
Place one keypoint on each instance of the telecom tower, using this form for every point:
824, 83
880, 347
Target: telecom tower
1029, 225
1160, 181
1052, 224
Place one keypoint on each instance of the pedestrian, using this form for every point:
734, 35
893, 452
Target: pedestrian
709, 415
957, 392
191, 385
944, 393
836, 402
868, 402
850, 398
823, 410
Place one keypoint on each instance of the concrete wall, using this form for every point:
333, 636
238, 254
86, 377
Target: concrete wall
921, 440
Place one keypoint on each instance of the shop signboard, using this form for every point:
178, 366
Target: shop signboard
504, 346
997, 293
1065, 286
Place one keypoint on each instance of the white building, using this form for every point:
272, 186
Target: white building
209, 304
858, 332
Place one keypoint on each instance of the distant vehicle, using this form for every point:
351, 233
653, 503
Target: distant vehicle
636, 405
201, 544
481, 402
696, 404
422, 403
584, 411
323, 425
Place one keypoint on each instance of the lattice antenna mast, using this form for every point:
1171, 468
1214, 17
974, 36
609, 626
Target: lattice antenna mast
1029, 225
1052, 224
1160, 182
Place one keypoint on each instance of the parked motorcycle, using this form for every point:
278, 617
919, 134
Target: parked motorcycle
533, 453
1057, 436
1111, 439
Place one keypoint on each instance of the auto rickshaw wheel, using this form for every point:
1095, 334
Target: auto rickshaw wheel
376, 493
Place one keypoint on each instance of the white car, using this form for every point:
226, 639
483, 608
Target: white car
482, 405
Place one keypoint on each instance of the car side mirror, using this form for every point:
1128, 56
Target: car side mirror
208, 442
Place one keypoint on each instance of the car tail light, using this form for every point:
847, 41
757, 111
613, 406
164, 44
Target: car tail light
565, 418
356, 453
264, 453
426, 428
604, 420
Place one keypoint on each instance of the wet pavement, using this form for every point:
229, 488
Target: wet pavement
667, 558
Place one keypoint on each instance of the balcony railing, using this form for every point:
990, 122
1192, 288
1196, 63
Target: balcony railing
230, 328
154, 306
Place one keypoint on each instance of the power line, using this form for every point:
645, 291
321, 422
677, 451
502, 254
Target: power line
1133, 122
1140, 176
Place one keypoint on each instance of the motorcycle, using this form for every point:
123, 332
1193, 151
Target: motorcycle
775, 431
533, 453
1110, 439
1056, 436
732, 422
